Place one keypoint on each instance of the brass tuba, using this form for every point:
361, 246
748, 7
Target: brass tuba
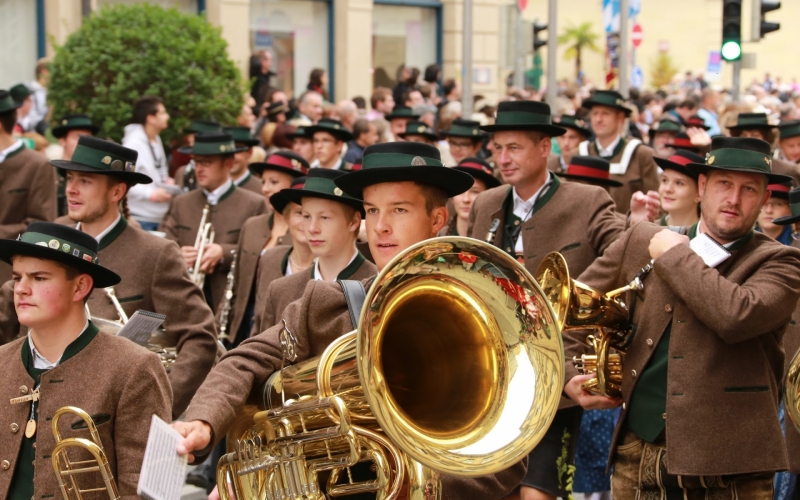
67, 471
205, 236
578, 307
791, 394
456, 367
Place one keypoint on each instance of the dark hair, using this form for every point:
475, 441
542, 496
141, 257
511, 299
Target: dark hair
688, 103
413, 77
432, 73
360, 102
360, 127
145, 106
316, 77
379, 95
8, 120
448, 86
435, 196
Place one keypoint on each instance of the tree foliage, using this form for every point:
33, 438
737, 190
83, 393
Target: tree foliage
127, 51
578, 38
663, 70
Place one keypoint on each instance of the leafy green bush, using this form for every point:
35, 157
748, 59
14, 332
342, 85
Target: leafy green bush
127, 51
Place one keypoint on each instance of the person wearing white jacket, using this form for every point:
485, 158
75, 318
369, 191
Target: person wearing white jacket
149, 202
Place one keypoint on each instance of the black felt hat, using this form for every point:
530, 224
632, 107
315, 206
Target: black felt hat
400, 162
401, 112
679, 161
573, 122
608, 98
333, 127
7, 103
279, 199
202, 126
752, 121
212, 144
320, 183
419, 128
740, 154
789, 129
287, 162
479, 169
524, 115
794, 204
590, 169
74, 122
301, 132
465, 128
242, 135
50, 241
97, 156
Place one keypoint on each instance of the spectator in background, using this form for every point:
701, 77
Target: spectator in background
685, 110
310, 106
22, 96
382, 103
452, 91
402, 86
318, 82
38, 88
246, 118
708, 110
348, 113
261, 70
361, 104
149, 202
366, 134
432, 77
413, 98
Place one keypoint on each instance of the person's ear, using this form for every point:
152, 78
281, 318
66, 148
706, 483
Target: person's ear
439, 216
83, 287
355, 222
702, 182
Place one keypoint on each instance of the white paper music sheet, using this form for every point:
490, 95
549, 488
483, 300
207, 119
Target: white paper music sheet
711, 252
141, 325
163, 470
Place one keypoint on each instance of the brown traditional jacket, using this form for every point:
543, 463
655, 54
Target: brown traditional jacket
641, 175
784, 167
271, 267
256, 232
317, 319
182, 222
283, 291
554, 163
28, 186
120, 384
725, 356
154, 279
251, 183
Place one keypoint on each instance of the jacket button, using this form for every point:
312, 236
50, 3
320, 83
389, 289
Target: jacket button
623, 406
668, 308
649, 342
5, 464
14, 427
516, 223
664, 416
633, 373
23, 389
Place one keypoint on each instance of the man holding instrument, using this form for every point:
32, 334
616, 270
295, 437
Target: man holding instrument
405, 189
701, 378
55, 269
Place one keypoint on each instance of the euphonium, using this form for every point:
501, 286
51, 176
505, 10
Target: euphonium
456, 367
791, 394
67, 471
225, 309
205, 236
577, 307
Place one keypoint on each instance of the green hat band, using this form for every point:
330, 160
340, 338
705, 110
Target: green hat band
522, 118
45, 240
101, 160
324, 186
80, 121
380, 160
747, 121
213, 148
740, 159
239, 135
464, 131
792, 131
603, 99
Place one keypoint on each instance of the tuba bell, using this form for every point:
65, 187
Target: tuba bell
578, 307
791, 394
456, 367
67, 471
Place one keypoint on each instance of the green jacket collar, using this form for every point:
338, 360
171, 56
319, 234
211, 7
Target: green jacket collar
227, 193
72, 349
736, 244
113, 234
348, 271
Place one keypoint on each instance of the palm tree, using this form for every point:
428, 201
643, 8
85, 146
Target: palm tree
578, 38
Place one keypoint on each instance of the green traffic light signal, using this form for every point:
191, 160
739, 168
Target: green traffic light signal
731, 51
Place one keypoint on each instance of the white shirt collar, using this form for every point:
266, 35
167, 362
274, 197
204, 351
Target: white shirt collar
106, 230
524, 208
318, 276
317, 164
4, 153
241, 180
214, 196
609, 151
39, 361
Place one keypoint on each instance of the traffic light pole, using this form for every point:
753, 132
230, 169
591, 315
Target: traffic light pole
737, 80
467, 103
519, 53
552, 52
624, 40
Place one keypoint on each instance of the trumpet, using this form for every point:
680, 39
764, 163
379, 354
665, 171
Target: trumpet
579, 306
225, 311
67, 471
456, 367
205, 236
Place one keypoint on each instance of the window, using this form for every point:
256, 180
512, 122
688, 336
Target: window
402, 35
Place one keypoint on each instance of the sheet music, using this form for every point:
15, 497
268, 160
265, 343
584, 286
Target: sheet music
163, 470
709, 250
141, 325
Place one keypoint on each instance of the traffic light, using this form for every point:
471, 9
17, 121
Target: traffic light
537, 43
731, 30
763, 27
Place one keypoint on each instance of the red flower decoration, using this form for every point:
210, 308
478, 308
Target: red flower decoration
467, 257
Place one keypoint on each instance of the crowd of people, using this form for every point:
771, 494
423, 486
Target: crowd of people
237, 231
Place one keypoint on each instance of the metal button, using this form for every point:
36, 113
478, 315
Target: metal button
623, 406
664, 416
668, 308
633, 373
649, 342
516, 223
5, 464
23, 389
14, 427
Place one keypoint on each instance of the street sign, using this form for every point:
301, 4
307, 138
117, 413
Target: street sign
637, 77
636, 35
